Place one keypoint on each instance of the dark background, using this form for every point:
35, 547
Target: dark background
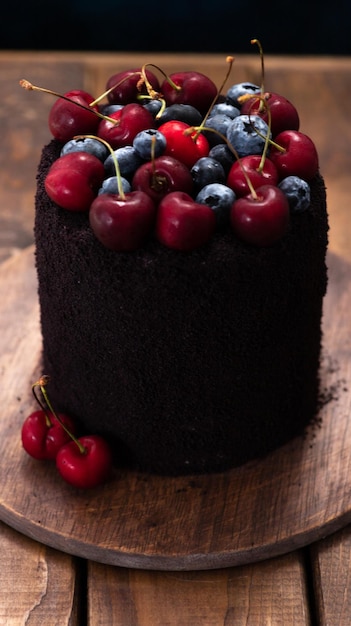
283, 27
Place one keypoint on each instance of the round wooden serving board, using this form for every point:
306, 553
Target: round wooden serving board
294, 496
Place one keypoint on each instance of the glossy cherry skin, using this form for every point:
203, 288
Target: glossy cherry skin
261, 221
74, 179
122, 224
284, 115
184, 143
127, 86
194, 88
130, 120
183, 224
87, 469
67, 119
160, 177
43, 440
236, 179
299, 156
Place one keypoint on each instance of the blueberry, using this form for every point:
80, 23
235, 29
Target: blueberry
207, 170
246, 133
182, 113
223, 108
148, 140
153, 106
107, 109
92, 146
128, 160
110, 185
218, 123
218, 197
221, 153
240, 89
297, 192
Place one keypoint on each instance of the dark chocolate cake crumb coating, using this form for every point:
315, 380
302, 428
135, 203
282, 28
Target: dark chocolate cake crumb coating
188, 362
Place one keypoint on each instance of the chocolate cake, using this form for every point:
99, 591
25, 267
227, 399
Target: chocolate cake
187, 361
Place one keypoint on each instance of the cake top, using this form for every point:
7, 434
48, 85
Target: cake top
176, 158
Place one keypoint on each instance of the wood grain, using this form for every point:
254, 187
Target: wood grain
36, 582
332, 578
274, 593
263, 509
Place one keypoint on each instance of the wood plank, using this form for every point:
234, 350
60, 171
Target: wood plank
331, 560
36, 582
274, 592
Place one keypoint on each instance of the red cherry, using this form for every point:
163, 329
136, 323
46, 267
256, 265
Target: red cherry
194, 88
74, 179
182, 223
299, 156
159, 177
130, 120
122, 223
284, 115
66, 119
236, 179
262, 220
87, 465
184, 143
127, 86
43, 435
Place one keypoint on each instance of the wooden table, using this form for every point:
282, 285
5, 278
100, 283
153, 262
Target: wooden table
40, 585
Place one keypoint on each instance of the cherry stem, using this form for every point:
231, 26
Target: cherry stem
41, 383
230, 61
114, 159
258, 43
30, 87
168, 78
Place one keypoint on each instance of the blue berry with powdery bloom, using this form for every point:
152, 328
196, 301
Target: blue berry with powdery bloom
181, 112
218, 123
221, 153
220, 198
223, 108
110, 185
149, 143
128, 161
207, 170
297, 192
87, 144
241, 89
247, 133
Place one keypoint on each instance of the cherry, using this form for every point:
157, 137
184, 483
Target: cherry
125, 87
193, 88
86, 462
121, 222
294, 154
258, 173
182, 223
43, 434
184, 143
161, 176
74, 179
124, 124
66, 119
283, 113
261, 218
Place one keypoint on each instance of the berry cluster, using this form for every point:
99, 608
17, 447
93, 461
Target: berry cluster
177, 160
84, 461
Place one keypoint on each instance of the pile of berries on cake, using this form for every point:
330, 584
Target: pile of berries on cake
172, 157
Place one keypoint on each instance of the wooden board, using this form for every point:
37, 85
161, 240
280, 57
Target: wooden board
269, 507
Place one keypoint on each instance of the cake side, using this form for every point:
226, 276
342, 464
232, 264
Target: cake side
190, 362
